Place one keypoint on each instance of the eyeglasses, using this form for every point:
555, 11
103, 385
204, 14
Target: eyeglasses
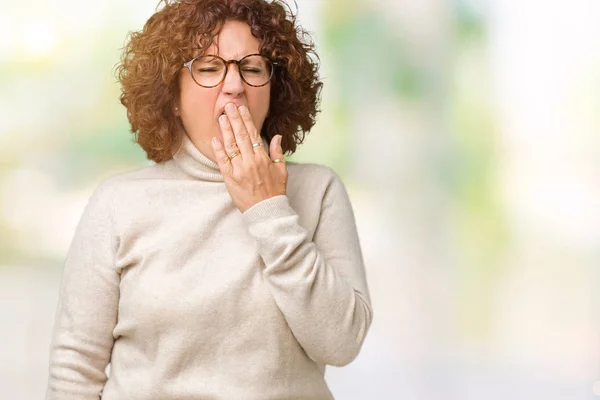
210, 70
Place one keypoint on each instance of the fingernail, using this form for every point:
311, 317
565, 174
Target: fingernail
223, 119
279, 140
243, 110
230, 107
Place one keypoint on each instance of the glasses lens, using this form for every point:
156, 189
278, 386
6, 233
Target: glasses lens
208, 70
256, 70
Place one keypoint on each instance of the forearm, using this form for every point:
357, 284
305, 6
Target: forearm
326, 306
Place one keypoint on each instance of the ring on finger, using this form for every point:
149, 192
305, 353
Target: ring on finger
234, 154
256, 144
277, 160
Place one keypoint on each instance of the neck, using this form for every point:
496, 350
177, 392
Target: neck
196, 163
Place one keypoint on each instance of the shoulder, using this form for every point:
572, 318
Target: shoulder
121, 180
316, 181
152, 171
311, 173
121, 187
319, 195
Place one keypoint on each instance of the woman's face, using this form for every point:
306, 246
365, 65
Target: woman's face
200, 107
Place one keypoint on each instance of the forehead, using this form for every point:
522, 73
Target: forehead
233, 41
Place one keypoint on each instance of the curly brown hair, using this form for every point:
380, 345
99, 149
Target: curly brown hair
152, 59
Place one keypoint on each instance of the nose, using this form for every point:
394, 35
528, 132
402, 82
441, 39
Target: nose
233, 84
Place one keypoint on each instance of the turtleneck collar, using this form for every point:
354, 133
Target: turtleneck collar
193, 162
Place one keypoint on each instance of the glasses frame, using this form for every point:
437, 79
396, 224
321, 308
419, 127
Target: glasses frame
188, 65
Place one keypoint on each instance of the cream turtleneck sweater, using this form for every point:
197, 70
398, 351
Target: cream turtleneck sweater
188, 298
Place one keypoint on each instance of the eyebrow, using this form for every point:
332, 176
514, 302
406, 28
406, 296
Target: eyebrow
229, 58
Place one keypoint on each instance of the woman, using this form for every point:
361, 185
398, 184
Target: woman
220, 271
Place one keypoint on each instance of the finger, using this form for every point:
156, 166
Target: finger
229, 139
276, 152
222, 158
239, 130
251, 129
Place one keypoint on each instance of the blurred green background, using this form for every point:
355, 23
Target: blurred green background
467, 133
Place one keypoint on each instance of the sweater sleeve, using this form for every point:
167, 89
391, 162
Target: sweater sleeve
320, 285
86, 314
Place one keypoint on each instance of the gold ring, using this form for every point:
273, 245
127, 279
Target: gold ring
279, 160
256, 144
234, 154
